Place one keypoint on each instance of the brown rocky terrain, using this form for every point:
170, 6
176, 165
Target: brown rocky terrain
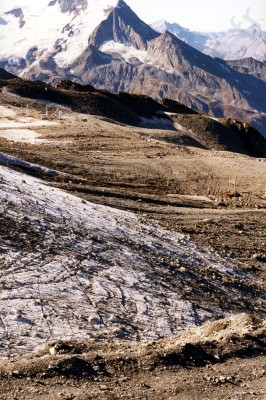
194, 128
221, 360
179, 176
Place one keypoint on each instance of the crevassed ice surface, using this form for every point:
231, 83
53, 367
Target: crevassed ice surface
70, 269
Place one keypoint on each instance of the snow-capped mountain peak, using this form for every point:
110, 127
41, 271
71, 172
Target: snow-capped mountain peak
229, 45
62, 28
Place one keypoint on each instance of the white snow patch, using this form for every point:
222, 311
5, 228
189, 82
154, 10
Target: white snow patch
166, 113
125, 51
6, 112
16, 127
47, 25
128, 53
10, 161
164, 121
24, 123
180, 127
22, 135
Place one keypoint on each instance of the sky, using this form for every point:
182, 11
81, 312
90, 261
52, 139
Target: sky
203, 15
199, 15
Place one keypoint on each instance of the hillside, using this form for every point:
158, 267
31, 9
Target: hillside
132, 247
188, 126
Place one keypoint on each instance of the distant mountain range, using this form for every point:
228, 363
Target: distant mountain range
234, 44
105, 44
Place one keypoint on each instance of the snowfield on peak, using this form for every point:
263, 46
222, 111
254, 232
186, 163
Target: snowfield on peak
130, 54
71, 269
126, 52
48, 29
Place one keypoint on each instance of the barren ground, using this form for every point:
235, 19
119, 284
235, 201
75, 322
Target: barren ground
149, 172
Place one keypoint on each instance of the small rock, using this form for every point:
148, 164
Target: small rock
94, 320
115, 319
207, 221
52, 351
239, 226
16, 373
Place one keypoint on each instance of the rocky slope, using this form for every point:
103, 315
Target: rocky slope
193, 128
119, 52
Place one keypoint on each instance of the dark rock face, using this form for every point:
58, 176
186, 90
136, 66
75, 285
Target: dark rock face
123, 26
70, 6
248, 66
4, 75
259, 123
31, 54
249, 137
2, 21
52, 3
18, 13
